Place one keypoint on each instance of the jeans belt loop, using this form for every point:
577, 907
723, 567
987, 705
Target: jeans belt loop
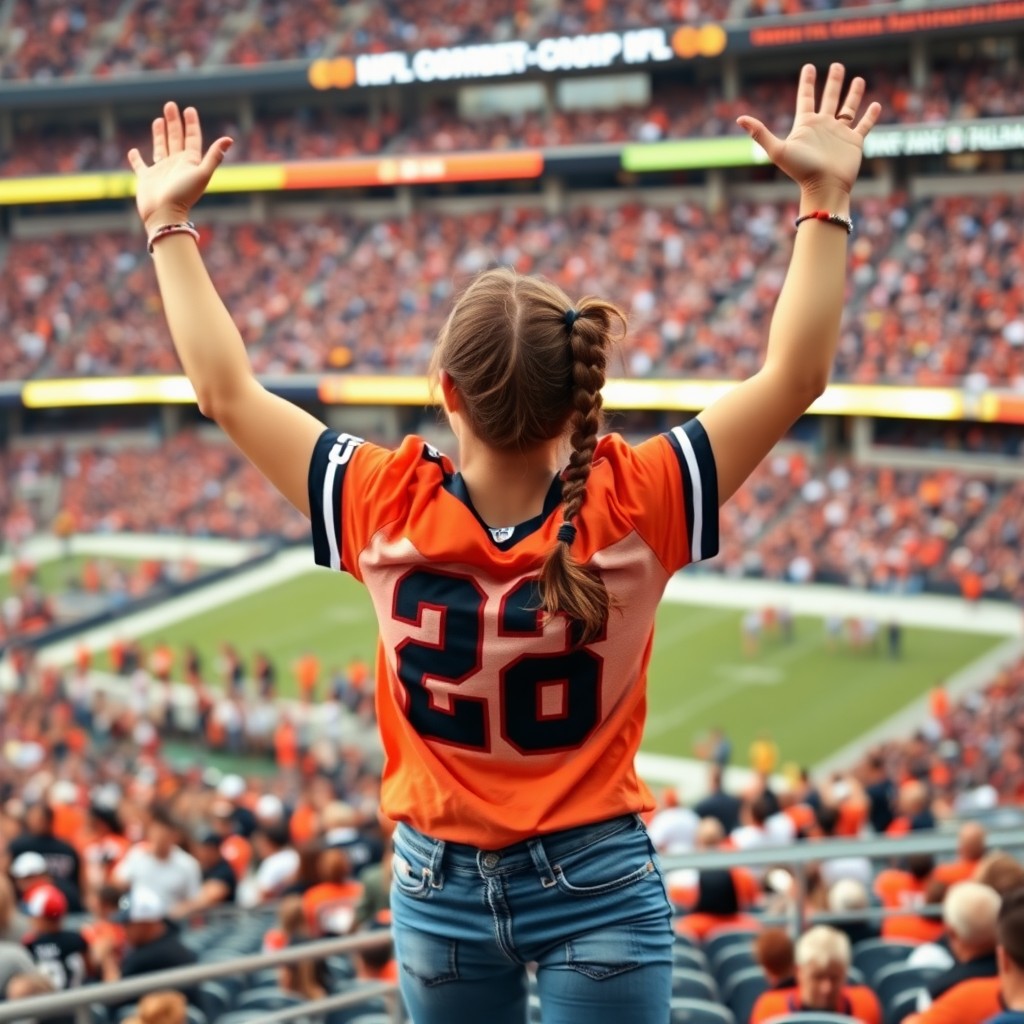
436, 875
540, 861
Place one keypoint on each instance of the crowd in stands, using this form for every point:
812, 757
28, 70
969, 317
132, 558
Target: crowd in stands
48, 39
965, 91
188, 484
935, 294
112, 858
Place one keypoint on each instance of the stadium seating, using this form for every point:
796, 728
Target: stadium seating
872, 955
52, 42
891, 982
697, 1011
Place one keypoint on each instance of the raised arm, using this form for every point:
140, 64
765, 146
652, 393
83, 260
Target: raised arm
275, 435
822, 154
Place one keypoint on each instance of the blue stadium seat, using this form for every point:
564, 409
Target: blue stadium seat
871, 955
902, 1006
855, 976
699, 1011
214, 998
686, 940
693, 985
268, 999
372, 1018
124, 1012
264, 977
372, 1007
890, 981
340, 967
686, 956
242, 1016
195, 1015
731, 960
722, 938
742, 990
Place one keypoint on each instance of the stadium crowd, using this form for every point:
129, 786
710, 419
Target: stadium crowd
970, 89
48, 39
699, 287
113, 857
794, 519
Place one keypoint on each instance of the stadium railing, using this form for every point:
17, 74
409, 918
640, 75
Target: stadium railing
799, 855
78, 1001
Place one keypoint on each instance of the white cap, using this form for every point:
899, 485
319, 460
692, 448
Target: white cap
64, 792
141, 904
231, 787
269, 808
28, 865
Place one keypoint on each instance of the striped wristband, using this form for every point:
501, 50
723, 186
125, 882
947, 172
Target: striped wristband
832, 218
184, 228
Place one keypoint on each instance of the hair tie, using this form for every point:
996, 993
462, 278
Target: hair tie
567, 534
571, 316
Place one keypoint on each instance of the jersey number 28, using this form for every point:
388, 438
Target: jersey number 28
529, 722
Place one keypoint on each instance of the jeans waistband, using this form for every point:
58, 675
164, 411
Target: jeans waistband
553, 845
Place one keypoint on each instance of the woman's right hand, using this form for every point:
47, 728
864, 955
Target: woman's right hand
167, 189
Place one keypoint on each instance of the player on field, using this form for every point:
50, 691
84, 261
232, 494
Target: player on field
516, 597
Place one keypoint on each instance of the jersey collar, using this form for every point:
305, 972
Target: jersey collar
505, 538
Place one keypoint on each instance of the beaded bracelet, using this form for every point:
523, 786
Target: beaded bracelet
185, 228
832, 218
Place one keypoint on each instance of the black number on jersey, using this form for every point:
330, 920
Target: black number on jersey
549, 702
457, 657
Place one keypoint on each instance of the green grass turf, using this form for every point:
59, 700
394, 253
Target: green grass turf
810, 699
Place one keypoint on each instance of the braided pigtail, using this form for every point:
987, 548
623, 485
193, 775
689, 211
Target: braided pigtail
566, 586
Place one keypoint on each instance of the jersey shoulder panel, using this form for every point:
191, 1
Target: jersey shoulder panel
668, 487
356, 488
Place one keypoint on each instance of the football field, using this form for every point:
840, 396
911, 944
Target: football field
809, 697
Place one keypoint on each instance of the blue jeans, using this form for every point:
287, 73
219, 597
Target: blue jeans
587, 905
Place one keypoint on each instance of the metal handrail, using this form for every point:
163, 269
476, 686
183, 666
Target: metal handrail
340, 1001
809, 852
57, 1003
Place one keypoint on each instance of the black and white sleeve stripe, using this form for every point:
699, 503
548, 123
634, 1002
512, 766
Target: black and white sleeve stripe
326, 477
700, 487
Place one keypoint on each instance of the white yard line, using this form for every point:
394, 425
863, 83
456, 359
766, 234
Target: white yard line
934, 611
284, 566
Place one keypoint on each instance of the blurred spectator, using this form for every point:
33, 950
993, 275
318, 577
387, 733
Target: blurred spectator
849, 896
906, 889
62, 862
160, 865
14, 960
718, 804
773, 950
29, 871
340, 825
279, 861
822, 960
969, 913
219, 883
62, 954
674, 828
970, 854
161, 1008
1011, 960
153, 944
717, 906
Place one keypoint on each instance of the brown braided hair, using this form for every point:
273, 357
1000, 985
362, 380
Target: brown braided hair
527, 373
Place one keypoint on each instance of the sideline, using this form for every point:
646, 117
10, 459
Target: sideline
166, 548
931, 611
284, 566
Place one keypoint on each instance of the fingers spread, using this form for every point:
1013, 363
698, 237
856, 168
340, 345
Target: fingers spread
805, 90
138, 165
193, 132
159, 139
215, 154
175, 131
764, 138
853, 98
833, 89
870, 118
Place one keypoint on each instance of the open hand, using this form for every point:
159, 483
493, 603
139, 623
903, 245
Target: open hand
823, 151
179, 174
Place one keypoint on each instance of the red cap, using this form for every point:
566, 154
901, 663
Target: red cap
46, 901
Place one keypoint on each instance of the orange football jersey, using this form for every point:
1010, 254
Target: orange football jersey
495, 726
